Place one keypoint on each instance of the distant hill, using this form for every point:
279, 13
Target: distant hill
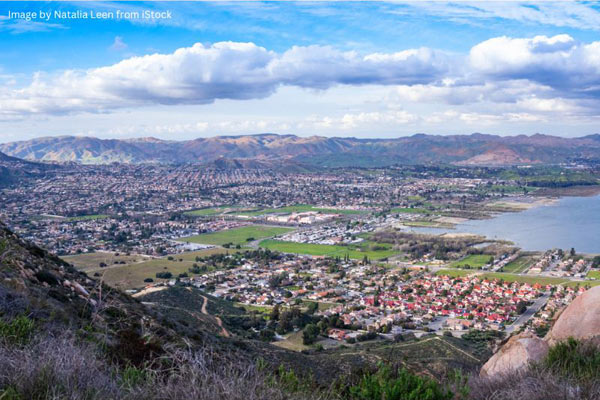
256, 151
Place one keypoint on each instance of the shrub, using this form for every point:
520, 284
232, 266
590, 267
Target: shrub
575, 359
17, 331
384, 385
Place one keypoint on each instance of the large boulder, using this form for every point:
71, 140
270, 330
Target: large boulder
580, 320
520, 351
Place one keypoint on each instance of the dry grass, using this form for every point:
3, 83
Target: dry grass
533, 384
63, 368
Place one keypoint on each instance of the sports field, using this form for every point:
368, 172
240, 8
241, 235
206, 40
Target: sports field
87, 217
521, 264
237, 235
355, 252
475, 261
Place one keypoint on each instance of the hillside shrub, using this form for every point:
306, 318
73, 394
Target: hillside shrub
574, 359
403, 385
17, 331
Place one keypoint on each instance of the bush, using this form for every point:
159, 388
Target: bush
384, 385
164, 275
574, 359
17, 331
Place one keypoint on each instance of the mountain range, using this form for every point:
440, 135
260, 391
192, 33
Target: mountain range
256, 150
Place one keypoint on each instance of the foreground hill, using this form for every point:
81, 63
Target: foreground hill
475, 149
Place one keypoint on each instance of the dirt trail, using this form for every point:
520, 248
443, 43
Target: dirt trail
224, 331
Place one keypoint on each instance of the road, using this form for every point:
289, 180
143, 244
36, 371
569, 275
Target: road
531, 310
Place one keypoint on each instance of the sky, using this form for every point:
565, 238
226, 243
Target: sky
181, 70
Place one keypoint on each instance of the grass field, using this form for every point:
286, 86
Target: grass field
456, 273
355, 252
520, 264
237, 235
299, 208
131, 276
91, 261
475, 261
292, 341
87, 217
594, 274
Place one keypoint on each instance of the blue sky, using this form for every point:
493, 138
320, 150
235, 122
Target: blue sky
362, 69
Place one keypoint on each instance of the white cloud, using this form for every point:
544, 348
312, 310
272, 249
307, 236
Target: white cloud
501, 79
581, 15
559, 62
202, 74
18, 26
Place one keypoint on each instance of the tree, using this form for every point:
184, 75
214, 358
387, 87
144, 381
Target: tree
310, 334
274, 316
312, 308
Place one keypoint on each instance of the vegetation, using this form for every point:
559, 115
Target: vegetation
403, 385
237, 235
574, 359
473, 261
17, 331
357, 252
519, 265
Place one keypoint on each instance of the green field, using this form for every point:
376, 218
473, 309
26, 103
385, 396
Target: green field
475, 261
237, 235
87, 217
355, 252
520, 264
455, 273
298, 208
594, 274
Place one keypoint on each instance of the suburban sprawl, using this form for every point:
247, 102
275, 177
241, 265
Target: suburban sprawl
349, 248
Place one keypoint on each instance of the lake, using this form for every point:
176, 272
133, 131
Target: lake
570, 222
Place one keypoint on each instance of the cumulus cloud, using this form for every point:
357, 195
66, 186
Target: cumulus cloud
559, 62
530, 75
202, 74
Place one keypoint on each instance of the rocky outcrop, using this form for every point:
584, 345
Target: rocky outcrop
580, 320
520, 351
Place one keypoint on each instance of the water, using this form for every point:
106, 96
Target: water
570, 222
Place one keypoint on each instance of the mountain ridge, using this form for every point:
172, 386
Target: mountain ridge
473, 149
